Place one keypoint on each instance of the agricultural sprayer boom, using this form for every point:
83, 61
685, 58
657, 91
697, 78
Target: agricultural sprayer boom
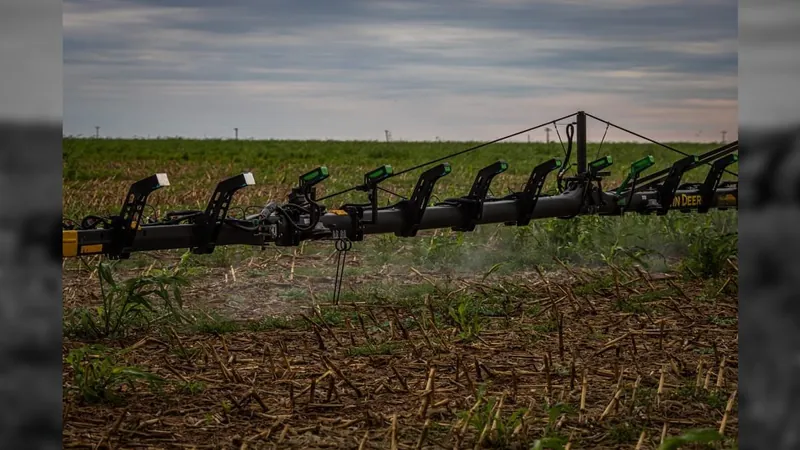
302, 217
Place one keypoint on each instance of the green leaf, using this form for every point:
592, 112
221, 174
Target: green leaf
492, 270
550, 443
690, 437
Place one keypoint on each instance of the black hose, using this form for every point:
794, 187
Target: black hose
565, 167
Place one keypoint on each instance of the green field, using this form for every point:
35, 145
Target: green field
196, 165
636, 315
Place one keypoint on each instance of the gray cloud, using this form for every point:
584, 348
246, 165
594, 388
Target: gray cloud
30, 55
769, 63
353, 68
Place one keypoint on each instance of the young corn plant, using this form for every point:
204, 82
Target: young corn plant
97, 378
709, 253
129, 305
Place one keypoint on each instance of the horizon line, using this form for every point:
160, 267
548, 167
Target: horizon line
373, 141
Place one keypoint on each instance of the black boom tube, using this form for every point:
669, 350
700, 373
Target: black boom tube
165, 237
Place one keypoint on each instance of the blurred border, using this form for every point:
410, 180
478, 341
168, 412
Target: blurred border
769, 224
30, 143
30, 209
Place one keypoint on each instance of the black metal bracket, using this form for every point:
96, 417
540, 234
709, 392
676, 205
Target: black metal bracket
286, 234
289, 232
210, 223
356, 231
414, 208
596, 167
371, 181
710, 185
666, 190
594, 197
305, 190
471, 206
356, 211
527, 199
127, 223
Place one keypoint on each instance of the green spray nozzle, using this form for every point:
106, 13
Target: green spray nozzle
380, 173
446, 169
636, 168
600, 164
315, 176
641, 165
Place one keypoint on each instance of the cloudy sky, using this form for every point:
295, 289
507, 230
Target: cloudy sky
351, 69
30, 60
769, 62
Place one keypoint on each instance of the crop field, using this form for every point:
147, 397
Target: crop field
589, 333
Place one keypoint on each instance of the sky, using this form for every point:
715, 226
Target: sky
351, 69
769, 63
30, 60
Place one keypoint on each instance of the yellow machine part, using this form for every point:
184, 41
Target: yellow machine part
70, 248
69, 243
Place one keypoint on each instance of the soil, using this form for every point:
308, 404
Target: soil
618, 366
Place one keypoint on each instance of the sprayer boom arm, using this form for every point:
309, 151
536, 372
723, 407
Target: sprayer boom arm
302, 218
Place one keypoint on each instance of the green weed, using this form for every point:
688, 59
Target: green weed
192, 387
551, 439
702, 436
548, 326
274, 323
631, 305
213, 323
385, 348
487, 417
622, 433
466, 316
596, 286
723, 321
714, 399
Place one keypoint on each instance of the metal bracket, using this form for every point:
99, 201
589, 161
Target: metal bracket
371, 181
211, 222
471, 205
710, 185
666, 190
356, 231
126, 224
527, 199
414, 208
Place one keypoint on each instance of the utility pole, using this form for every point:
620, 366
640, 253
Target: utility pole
388, 135
723, 135
236, 133
547, 133
97, 132
529, 138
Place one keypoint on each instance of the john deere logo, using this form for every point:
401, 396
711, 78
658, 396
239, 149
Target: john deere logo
683, 201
